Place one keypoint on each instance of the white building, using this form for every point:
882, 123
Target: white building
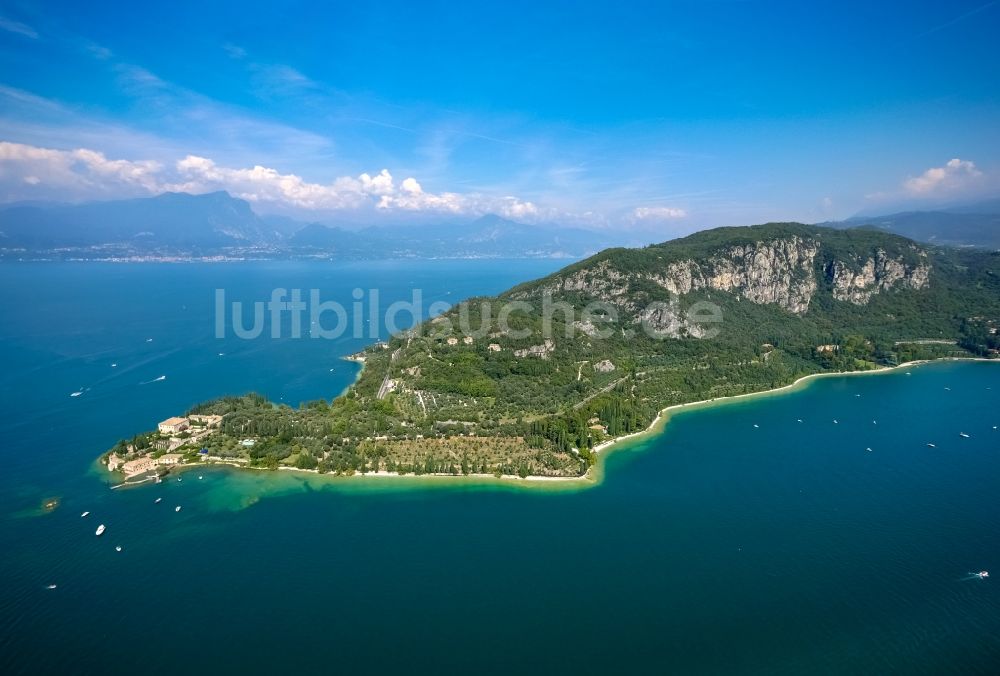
206, 420
173, 425
138, 466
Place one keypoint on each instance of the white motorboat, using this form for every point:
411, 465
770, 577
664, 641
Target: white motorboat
100, 530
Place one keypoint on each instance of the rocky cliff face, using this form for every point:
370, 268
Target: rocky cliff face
874, 275
779, 272
784, 271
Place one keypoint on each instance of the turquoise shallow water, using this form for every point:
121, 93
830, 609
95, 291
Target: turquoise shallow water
716, 547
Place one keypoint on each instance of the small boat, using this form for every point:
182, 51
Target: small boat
835, 422
874, 422
177, 508
100, 530
118, 548
114, 365
756, 426
76, 394
931, 446
948, 389
84, 514
869, 449
983, 574
51, 586
179, 479
799, 419
200, 477
157, 501
857, 395
963, 435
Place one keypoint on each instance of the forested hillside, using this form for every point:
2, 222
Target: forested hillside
555, 366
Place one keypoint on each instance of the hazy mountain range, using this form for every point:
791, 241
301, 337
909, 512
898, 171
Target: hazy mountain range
975, 225
217, 224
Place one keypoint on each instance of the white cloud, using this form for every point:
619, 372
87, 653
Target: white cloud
83, 172
954, 176
278, 80
234, 51
657, 213
80, 168
513, 208
12, 26
99, 52
411, 187
411, 197
381, 184
263, 184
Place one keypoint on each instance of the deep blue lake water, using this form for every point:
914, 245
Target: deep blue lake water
715, 547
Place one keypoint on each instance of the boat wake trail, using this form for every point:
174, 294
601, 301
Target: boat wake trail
981, 575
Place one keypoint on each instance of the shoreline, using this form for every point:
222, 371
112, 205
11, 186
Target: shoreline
385, 474
477, 478
354, 359
665, 414
595, 475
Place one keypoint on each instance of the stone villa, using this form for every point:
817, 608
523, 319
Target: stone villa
173, 425
193, 428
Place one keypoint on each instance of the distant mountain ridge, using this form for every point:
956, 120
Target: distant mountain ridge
217, 223
489, 235
975, 225
170, 220
214, 224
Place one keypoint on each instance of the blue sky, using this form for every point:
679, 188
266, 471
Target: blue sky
668, 116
